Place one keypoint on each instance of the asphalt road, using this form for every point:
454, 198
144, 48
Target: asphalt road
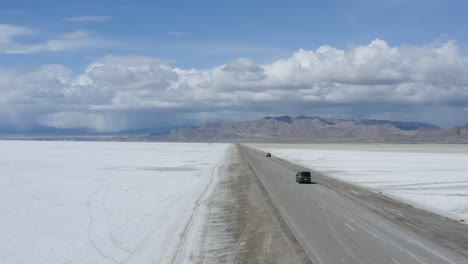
334, 229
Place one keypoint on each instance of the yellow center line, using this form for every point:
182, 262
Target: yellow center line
394, 261
350, 227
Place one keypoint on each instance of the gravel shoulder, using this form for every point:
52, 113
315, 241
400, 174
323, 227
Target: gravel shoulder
238, 222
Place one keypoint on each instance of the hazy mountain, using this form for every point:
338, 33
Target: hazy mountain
273, 129
315, 129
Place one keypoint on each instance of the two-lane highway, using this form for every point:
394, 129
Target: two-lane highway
334, 229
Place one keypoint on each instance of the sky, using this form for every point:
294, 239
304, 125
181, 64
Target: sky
121, 65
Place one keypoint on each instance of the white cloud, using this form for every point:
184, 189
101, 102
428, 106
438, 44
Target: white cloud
88, 18
9, 32
122, 92
67, 41
245, 69
26, 94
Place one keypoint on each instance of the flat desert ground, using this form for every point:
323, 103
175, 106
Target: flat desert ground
99, 202
116, 202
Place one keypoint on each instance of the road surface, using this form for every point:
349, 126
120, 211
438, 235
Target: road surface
334, 229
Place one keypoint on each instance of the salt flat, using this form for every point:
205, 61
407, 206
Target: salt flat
98, 202
433, 177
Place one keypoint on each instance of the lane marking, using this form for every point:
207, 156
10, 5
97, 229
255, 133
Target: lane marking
395, 261
322, 206
350, 227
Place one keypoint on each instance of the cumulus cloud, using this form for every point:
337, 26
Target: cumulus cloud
428, 83
244, 69
26, 94
67, 41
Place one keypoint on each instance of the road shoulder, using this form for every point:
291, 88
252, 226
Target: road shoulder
238, 222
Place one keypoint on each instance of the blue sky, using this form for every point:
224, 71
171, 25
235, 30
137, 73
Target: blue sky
208, 33
115, 65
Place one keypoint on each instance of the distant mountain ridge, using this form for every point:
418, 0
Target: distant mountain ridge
331, 121
315, 130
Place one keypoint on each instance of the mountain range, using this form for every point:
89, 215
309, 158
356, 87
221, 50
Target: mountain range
304, 129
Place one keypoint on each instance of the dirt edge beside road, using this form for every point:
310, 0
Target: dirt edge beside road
440, 229
238, 222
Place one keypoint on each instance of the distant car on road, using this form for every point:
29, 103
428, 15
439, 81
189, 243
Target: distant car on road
268, 155
303, 177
